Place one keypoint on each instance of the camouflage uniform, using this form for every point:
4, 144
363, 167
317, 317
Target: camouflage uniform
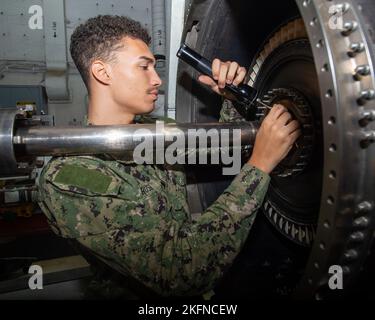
136, 218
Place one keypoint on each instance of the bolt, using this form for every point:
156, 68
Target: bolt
366, 95
361, 222
357, 236
369, 115
320, 44
368, 139
325, 68
349, 27
364, 207
369, 135
366, 117
345, 270
343, 7
340, 8
355, 48
361, 71
313, 22
351, 254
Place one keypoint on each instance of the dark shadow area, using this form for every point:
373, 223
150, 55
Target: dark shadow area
269, 266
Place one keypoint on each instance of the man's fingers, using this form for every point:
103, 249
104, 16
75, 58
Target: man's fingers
276, 111
294, 136
223, 75
293, 126
284, 118
210, 82
232, 72
241, 74
216, 68
207, 80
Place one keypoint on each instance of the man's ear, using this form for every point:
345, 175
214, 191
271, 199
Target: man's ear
101, 71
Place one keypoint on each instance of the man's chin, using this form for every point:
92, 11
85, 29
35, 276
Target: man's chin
148, 109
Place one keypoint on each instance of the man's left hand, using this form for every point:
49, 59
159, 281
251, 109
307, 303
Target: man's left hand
223, 73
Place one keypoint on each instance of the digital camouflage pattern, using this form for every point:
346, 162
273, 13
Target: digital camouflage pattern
136, 219
228, 113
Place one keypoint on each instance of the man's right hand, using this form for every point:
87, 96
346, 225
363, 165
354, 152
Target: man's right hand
275, 139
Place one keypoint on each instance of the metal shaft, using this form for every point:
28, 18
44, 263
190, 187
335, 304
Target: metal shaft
21, 140
42, 141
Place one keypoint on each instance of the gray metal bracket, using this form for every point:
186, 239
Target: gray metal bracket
56, 52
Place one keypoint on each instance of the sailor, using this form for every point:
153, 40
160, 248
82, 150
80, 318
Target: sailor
135, 218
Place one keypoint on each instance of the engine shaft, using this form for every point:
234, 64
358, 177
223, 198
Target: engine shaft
47, 141
21, 141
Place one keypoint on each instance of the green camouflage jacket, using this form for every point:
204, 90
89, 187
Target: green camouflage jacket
136, 218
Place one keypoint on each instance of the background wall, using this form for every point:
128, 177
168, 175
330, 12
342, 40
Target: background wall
35, 63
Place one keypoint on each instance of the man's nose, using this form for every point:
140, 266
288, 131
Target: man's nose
156, 81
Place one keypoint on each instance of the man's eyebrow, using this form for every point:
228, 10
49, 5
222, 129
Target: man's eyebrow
147, 59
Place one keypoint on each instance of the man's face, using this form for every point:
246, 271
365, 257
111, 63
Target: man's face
135, 83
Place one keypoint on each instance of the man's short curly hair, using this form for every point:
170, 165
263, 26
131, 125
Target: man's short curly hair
99, 38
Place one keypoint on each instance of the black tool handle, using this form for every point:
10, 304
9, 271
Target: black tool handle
243, 93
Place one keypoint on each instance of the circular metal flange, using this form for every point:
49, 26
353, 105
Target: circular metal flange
344, 60
8, 163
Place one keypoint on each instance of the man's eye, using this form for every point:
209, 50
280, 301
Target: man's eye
144, 67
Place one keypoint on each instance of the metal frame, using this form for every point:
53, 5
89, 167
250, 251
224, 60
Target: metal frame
177, 12
8, 163
345, 227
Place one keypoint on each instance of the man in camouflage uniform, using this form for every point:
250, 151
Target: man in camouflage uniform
135, 218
